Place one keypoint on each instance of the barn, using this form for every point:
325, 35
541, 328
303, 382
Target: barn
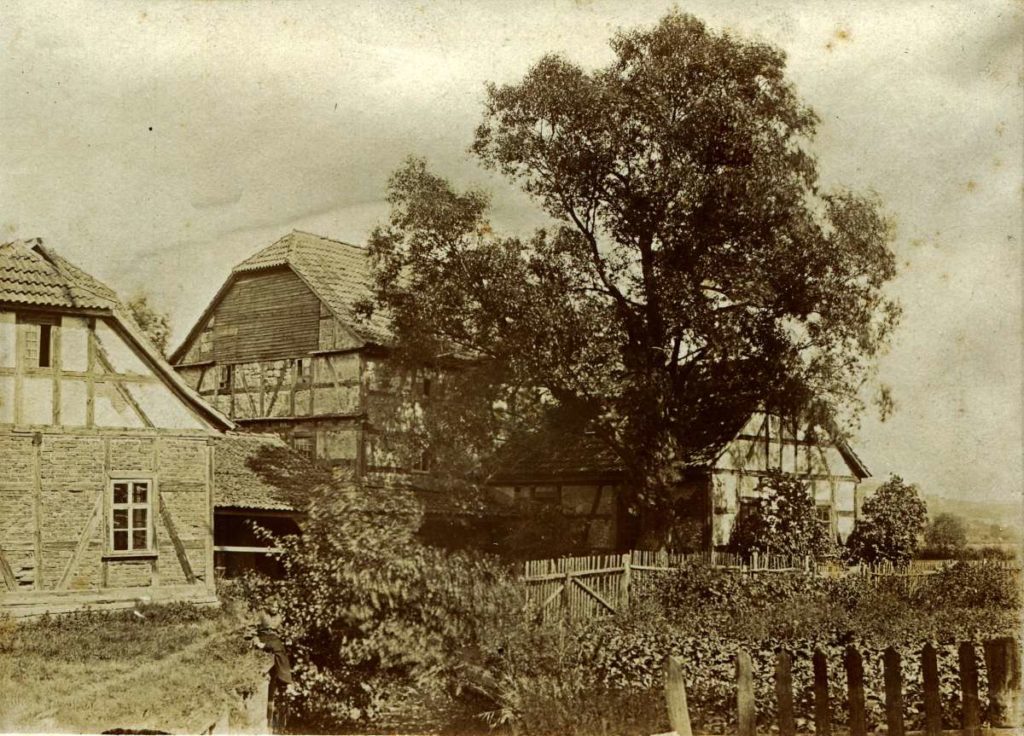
107, 458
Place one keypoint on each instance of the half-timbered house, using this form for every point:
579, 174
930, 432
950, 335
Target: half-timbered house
583, 477
279, 349
106, 455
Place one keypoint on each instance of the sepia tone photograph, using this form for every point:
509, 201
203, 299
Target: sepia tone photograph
552, 368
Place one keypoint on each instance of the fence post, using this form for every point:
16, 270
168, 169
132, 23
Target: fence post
970, 720
626, 580
893, 691
746, 709
784, 692
822, 707
854, 664
930, 681
1002, 660
564, 597
675, 697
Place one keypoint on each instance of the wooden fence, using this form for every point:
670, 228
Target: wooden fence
595, 585
1002, 661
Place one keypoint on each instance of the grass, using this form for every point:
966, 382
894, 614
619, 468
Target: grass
170, 668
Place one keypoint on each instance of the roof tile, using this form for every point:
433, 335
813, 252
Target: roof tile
33, 274
338, 273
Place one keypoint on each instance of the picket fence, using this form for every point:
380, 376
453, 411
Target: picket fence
1003, 670
596, 585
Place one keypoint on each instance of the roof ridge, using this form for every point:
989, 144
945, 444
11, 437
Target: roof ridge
296, 231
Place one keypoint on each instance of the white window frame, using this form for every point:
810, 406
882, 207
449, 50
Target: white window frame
130, 506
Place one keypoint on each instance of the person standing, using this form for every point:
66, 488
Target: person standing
269, 640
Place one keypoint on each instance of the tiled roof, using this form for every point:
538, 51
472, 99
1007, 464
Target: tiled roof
33, 274
338, 273
564, 456
558, 456
237, 485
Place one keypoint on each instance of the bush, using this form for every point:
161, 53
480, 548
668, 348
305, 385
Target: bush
971, 585
7, 633
783, 522
377, 622
892, 523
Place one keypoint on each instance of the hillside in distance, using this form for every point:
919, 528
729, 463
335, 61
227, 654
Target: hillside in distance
988, 522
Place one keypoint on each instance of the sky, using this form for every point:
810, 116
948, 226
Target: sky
158, 144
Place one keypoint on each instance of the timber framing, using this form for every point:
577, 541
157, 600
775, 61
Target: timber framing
106, 459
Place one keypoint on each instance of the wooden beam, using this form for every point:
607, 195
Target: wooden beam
179, 548
8, 574
37, 508
277, 389
83, 542
594, 595
675, 697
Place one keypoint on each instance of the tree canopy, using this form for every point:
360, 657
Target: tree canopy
155, 324
694, 270
946, 535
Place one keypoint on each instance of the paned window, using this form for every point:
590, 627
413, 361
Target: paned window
304, 445
38, 350
130, 527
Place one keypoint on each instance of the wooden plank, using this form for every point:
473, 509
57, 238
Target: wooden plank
287, 369
893, 675
1002, 662
784, 693
675, 697
10, 582
745, 707
37, 508
83, 542
552, 597
854, 664
822, 707
971, 712
179, 548
930, 685
266, 315
593, 594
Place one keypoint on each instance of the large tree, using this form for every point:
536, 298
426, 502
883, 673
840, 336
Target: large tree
694, 270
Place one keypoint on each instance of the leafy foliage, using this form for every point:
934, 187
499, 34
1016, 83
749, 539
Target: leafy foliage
374, 617
783, 520
155, 324
891, 525
694, 273
972, 585
563, 678
946, 536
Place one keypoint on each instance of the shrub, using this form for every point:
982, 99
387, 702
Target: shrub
892, 522
7, 632
783, 521
977, 584
373, 617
